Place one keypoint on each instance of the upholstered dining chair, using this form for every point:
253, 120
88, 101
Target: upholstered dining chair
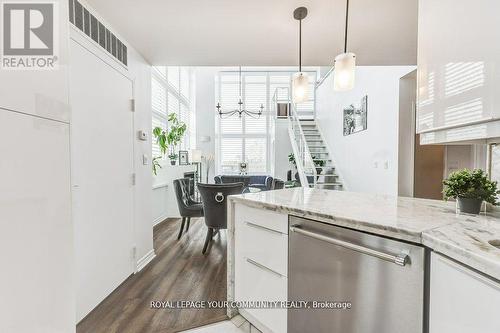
187, 207
214, 198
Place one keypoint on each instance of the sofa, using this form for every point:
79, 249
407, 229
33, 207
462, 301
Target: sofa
264, 183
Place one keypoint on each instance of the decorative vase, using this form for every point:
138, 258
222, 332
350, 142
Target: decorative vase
172, 162
469, 206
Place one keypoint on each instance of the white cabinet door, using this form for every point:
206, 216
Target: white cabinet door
458, 68
461, 300
41, 92
36, 234
261, 264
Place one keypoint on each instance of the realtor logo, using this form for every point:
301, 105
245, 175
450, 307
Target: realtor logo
29, 35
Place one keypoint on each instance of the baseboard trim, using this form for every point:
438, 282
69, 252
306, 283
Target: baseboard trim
160, 219
144, 261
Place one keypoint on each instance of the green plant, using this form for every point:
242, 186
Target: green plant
170, 139
291, 159
470, 184
173, 157
156, 165
318, 163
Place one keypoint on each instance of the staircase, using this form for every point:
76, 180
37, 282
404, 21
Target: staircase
314, 162
326, 178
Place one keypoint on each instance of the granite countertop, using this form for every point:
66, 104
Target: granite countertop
432, 223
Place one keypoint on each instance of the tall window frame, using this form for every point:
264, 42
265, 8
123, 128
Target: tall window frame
172, 91
231, 140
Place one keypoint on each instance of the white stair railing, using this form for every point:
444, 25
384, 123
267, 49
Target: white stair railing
303, 159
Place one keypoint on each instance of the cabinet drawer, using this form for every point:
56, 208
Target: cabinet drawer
262, 217
265, 246
255, 283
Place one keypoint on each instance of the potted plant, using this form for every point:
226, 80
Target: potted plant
470, 188
170, 139
319, 164
291, 159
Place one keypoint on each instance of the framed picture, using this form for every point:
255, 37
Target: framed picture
183, 157
356, 118
282, 110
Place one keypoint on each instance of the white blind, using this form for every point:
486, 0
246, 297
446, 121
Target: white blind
158, 96
185, 81
173, 77
231, 154
255, 96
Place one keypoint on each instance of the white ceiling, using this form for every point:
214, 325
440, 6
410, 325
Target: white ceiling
263, 32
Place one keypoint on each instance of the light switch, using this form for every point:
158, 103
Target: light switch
386, 165
145, 159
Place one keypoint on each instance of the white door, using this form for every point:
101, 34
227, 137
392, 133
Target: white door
36, 234
102, 167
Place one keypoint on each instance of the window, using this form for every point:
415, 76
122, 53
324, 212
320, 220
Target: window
171, 92
247, 139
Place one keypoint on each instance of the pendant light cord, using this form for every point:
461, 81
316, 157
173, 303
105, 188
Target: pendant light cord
346, 24
300, 45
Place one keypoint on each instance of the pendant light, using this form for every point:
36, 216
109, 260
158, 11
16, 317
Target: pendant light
300, 81
345, 63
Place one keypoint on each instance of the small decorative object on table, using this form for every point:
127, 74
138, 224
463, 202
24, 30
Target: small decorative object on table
243, 168
173, 158
470, 188
183, 157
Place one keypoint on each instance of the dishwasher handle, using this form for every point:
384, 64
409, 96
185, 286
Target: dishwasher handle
401, 259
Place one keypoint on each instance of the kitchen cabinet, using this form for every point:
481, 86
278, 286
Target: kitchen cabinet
462, 300
458, 71
36, 231
261, 264
42, 92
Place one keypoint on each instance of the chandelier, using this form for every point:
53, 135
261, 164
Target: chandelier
240, 110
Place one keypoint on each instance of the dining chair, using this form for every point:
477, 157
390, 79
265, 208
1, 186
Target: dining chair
188, 208
214, 198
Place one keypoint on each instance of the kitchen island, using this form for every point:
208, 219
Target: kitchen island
432, 225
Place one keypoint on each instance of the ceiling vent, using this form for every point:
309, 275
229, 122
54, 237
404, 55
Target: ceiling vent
81, 18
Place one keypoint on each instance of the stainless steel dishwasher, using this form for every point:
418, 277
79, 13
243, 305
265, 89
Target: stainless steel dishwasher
382, 279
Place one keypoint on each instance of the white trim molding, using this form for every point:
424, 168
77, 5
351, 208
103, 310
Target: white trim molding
144, 261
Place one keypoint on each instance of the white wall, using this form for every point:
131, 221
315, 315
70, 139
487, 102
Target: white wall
367, 161
406, 149
205, 113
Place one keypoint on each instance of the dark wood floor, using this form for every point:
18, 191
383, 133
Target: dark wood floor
179, 272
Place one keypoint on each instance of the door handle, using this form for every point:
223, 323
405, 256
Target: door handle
400, 259
253, 262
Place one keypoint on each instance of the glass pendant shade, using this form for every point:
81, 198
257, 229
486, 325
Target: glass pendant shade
300, 87
344, 71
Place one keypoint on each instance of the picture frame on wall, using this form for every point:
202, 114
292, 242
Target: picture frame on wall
356, 118
183, 157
